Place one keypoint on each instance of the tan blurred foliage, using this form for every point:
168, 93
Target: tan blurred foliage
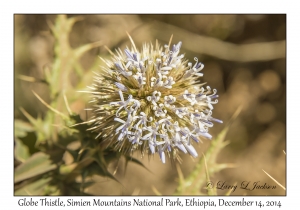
244, 57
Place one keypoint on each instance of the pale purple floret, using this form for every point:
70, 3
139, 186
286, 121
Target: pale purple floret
121, 86
128, 54
191, 150
161, 154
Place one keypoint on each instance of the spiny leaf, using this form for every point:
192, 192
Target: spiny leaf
63, 25
67, 104
38, 124
37, 164
211, 155
51, 190
81, 50
31, 79
22, 128
180, 180
111, 155
29, 117
156, 191
79, 124
49, 107
67, 169
21, 151
34, 188
280, 185
96, 169
210, 190
134, 160
100, 160
81, 166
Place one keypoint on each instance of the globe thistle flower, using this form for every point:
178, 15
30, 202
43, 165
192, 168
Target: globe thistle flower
152, 100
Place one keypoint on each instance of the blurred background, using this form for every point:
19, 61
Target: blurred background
244, 58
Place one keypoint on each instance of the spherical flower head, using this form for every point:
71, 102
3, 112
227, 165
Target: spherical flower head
152, 100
